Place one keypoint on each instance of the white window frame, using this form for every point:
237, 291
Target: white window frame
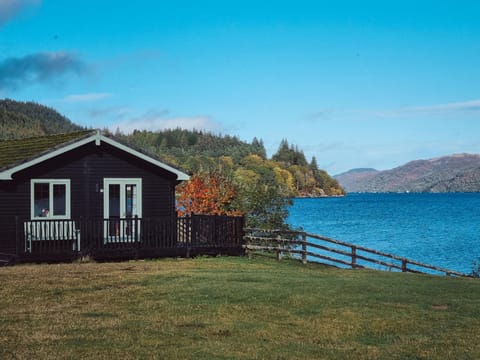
50, 183
121, 182
106, 207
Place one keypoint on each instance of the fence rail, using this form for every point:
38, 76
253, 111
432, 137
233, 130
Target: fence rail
304, 245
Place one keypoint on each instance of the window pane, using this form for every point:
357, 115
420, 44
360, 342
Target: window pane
41, 201
130, 200
114, 200
59, 200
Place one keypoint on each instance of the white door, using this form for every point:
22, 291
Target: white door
122, 204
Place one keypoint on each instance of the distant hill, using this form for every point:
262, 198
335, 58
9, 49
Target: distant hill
351, 179
454, 173
25, 119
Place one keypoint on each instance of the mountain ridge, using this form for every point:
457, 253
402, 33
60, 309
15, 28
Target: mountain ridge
451, 173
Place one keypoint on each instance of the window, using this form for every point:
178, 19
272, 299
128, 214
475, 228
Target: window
50, 199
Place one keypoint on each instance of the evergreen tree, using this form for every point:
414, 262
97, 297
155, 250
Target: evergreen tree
313, 164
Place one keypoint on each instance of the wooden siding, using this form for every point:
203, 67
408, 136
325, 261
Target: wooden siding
86, 167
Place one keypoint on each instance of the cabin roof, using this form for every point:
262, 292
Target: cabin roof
16, 155
19, 150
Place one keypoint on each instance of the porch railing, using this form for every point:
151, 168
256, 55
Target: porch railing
90, 235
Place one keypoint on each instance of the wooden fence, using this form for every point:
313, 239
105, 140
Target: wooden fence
316, 248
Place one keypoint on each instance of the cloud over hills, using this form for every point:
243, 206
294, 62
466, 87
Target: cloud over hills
156, 122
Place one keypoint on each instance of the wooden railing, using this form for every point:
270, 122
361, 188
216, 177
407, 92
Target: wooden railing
134, 232
88, 235
50, 236
316, 248
207, 230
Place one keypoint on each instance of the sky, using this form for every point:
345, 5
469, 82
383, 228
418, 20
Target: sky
354, 83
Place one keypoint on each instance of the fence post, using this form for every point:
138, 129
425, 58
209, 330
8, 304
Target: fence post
191, 238
279, 251
135, 228
248, 252
193, 230
136, 238
404, 265
354, 257
304, 248
242, 227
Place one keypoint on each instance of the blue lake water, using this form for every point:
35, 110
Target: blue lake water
437, 229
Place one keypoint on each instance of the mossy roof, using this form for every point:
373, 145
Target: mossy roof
14, 152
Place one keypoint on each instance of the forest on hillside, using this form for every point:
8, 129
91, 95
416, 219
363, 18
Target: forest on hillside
234, 177
229, 176
200, 152
26, 119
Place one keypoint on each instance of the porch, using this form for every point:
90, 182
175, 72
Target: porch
128, 238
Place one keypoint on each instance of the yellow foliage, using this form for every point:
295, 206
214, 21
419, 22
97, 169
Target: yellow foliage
285, 178
226, 161
246, 177
253, 160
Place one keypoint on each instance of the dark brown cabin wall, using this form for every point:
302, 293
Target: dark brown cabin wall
89, 165
157, 197
86, 167
14, 199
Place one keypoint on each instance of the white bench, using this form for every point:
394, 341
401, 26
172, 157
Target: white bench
51, 230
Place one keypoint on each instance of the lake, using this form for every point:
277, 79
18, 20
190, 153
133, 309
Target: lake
438, 229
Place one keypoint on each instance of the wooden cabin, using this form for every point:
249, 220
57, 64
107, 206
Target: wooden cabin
86, 193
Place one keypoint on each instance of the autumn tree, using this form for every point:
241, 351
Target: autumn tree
206, 194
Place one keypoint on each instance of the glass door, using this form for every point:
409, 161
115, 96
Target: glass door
122, 209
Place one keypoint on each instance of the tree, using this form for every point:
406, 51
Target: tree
259, 148
289, 155
264, 207
262, 194
206, 194
313, 164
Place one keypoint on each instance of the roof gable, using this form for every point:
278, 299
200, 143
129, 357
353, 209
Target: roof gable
16, 155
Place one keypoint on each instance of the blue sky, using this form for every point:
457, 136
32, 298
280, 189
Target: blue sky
354, 83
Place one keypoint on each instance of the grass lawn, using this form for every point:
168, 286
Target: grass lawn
233, 308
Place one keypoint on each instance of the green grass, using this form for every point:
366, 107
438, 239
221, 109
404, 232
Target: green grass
229, 308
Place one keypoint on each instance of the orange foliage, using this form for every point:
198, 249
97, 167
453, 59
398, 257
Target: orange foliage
206, 194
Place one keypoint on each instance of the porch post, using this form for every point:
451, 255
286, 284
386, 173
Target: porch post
136, 238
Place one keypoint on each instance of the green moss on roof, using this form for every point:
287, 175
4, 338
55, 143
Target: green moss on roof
13, 152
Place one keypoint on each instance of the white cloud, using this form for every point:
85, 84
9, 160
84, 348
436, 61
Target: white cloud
86, 97
436, 109
116, 112
473, 105
157, 123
